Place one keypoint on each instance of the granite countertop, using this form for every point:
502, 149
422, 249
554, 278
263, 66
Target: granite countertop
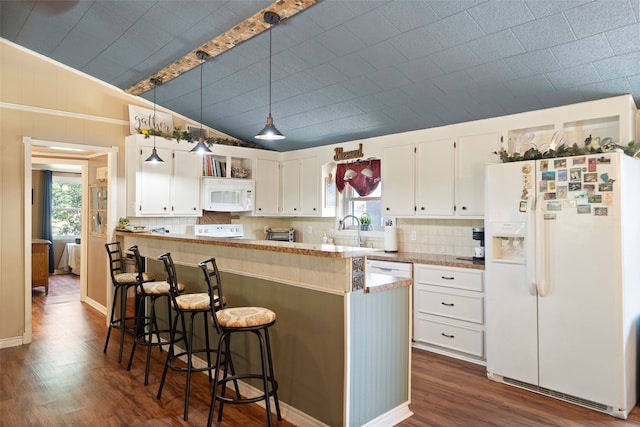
424, 258
375, 282
321, 250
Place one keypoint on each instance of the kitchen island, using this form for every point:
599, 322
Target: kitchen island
341, 348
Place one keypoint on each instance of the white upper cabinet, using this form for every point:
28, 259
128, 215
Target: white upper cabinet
310, 185
267, 176
435, 178
301, 183
170, 188
152, 191
398, 180
473, 153
291, 187
187, 169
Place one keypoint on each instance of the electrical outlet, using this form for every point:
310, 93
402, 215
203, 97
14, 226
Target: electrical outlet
414, 235
265, 228
309, 230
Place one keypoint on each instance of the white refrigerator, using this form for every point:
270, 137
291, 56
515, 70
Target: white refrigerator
563, 278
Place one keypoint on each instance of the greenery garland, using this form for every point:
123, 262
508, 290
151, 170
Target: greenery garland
182, 135
564, 150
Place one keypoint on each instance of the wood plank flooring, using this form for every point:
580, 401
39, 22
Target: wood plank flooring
64, 379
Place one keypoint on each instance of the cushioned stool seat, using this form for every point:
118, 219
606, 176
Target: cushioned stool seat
228, 321
194, 304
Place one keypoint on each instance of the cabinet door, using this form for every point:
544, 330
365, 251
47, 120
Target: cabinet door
267, 187
154, 190
310, 186
398, 180
435, 183
187, 170
291, 187
474, 152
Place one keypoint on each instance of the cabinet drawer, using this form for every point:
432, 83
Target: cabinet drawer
449, 336
452, 277
461, 307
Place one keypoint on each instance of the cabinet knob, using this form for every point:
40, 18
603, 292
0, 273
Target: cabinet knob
164, 208
387, 209
464, 208
422, 208
259, 209
195, 209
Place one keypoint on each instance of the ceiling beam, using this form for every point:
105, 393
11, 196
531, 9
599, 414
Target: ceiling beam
245, 30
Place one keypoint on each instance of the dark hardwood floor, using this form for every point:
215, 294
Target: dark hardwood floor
64, 379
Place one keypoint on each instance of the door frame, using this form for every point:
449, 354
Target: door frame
111, 153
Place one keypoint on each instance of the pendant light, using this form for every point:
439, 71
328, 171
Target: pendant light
270, 132
154, 158
201, 147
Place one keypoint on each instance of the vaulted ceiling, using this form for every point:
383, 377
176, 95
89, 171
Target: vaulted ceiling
343, 70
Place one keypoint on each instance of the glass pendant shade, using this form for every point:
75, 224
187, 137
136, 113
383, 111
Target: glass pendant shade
270, 132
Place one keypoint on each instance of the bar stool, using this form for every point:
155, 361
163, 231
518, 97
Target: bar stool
191, 305
149, 293
122, 282
228, 321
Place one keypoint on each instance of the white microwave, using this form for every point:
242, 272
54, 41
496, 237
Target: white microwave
227, 194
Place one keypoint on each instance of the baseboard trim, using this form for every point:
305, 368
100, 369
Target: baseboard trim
392, 417
11, 342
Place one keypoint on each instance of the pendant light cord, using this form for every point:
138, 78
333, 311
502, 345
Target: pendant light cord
270, 69
201, 98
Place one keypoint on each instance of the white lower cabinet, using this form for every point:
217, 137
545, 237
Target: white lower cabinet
448, 311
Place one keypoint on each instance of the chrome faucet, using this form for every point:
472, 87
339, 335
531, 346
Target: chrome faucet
342, 224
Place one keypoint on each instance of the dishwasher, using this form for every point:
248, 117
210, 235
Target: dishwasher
391, 268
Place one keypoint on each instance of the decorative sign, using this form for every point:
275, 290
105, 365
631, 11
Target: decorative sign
143, 118
340, 154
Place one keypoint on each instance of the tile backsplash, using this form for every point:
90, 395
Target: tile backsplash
435, 236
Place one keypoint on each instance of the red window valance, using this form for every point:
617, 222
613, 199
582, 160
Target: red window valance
363, 176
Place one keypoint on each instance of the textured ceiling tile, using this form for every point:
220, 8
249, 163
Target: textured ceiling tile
618, 66
455, 59
599, 16
416, 43
575, 76
407, 15
491, 72
331, 17
313, 53
352, 65
372, 28
496, 46
361, 86
532, 63
605, 89
583, 51
625, 39
446, 8
340, 41
420, 69
557, 98
497, 15
389, 78
382, 55
529, 86
454, 82
455, 30
545, 8
421, 91
13, 15
545, 32
634, 85
326, 74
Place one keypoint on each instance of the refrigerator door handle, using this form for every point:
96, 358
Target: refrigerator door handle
540, 248
530, 254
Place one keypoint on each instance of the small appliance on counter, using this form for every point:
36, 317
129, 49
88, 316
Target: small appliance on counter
219, 230
478, 251
282, 235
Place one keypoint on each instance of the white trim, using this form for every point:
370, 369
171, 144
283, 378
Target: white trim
392, 417
96, 305
11, 342
28, 162
52, 112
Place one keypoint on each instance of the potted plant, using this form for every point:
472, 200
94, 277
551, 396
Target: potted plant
365, 222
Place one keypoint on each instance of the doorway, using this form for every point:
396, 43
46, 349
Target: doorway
39, 152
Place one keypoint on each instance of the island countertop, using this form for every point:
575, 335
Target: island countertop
321, 250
